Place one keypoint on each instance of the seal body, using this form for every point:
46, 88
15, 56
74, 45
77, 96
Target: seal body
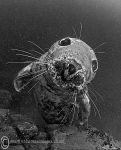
59, 80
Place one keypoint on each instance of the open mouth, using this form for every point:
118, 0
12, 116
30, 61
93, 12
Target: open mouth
67, 74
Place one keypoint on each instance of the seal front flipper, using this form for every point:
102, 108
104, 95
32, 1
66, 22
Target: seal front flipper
27, 75
84, 111
22, 78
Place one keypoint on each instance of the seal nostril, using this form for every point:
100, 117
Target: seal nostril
65, 42
72, 69
59, 66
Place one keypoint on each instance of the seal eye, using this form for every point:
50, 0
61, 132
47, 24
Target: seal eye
94, 65
65, 42
72, 69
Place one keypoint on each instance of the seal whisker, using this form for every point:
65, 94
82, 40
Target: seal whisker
74, 32
99, 46
73, 113
19, 62
27, 56
19, 50
64, 117
36, 52
33, 86
59, 78
95, 99
93, 94
80, 33
100, 52
36, 45
61, 110
34, 78
94, 111
74, 105
101, 97
32, 73
95, 107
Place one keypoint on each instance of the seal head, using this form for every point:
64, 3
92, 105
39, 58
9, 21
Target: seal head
73, 63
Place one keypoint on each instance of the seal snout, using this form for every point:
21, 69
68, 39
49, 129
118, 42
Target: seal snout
65, 70
67, 73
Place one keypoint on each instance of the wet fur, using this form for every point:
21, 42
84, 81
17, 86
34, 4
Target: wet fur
59, 103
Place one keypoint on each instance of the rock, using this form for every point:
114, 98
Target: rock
4, 113
18, 118
6, 128
41, 136
9, 132
91, 139
28, 130
17, 127
4, 117
5, 99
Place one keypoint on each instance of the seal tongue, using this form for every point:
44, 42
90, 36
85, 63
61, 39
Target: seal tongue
61, 69
68, 71
68, 74
71, 69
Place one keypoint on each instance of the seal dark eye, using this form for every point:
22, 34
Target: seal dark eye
94, 65
72, 69
65, 42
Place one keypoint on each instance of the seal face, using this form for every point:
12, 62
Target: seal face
60, 78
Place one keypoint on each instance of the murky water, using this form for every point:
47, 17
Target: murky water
44, 22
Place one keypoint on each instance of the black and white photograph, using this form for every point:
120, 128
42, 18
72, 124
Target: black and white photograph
60, 74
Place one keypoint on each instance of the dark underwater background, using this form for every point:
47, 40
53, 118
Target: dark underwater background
46, 21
